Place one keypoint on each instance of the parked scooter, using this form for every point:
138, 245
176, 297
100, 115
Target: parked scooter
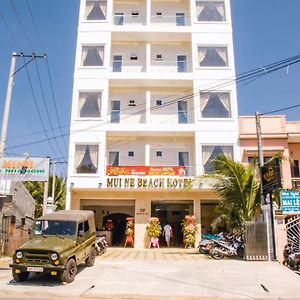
291, 258
234, 246
207, 242
101, 245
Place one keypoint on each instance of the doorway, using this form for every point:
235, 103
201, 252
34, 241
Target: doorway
119, 224
172, 212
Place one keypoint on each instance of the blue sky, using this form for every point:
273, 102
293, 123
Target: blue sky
264, 32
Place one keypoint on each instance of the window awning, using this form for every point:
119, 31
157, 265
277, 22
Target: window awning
272, 149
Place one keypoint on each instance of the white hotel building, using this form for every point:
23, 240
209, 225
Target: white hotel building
153, 103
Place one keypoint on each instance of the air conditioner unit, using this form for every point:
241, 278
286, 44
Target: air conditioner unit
131, 103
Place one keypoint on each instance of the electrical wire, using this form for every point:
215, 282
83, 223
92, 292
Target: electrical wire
46, 106
257, 73
37, 108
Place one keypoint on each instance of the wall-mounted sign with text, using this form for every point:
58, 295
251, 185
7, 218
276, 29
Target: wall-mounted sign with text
21, 169
145, 171
290, 202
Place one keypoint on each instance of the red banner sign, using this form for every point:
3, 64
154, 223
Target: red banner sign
145, 170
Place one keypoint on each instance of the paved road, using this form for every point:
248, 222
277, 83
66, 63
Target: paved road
161, 274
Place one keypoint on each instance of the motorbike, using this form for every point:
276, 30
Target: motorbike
101, 245
291, 258
207, 242
234, 246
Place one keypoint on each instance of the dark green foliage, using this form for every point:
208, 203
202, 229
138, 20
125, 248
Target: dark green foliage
36, 189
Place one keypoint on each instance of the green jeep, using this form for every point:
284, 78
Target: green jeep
59, 242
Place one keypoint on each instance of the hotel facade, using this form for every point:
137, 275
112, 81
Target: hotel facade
153, 103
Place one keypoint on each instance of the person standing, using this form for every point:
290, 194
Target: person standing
168, 233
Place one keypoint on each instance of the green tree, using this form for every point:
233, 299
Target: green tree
239, 190
36, 189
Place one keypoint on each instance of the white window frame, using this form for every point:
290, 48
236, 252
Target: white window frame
198, 67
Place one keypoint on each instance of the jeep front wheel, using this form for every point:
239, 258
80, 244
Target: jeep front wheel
90, 260
19, 277
69, 273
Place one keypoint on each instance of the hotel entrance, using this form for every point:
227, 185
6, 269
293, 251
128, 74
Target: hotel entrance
172, 212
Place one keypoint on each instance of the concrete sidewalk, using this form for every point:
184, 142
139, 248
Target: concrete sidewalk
163, 274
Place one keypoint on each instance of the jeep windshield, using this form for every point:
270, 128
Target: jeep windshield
52, 227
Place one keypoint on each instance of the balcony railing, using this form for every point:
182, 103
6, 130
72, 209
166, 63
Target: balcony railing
125, 66
124, 20
179, 66
173, 20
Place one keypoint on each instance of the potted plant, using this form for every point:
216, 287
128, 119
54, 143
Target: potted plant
153, 230
129, 231
189, 230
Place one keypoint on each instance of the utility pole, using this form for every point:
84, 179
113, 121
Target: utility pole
12, 72
7, 104
53, 179
266, 208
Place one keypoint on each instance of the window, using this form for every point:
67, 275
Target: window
182, 112
181, 63
119, 18
210, 11
92, 56
295, 168
89, 105
255, 160
86, 226
159, 154
95, 10
86, 159
117, 63
180, 20
209, 153
113, 158
215, 105
130, 153
158, 102
115, 111
183, 160
212, 56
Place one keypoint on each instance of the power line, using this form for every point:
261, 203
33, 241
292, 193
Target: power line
279, 110
257, 73
48, 70
45, 104
21, 24
37, 107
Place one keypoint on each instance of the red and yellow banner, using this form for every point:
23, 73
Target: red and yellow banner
145, 171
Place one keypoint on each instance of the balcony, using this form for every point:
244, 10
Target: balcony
125, 66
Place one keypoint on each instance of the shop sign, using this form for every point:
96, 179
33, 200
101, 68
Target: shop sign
290, 202
142, 212
148, 182
145, 171
270, 174
21, 169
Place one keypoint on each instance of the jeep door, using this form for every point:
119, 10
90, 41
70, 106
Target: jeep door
80, 243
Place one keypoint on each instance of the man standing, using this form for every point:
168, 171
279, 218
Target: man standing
168, 233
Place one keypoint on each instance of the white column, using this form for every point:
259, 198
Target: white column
147, 155
148, 12
148, 58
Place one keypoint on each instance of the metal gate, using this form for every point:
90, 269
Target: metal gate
4, 234
293, 233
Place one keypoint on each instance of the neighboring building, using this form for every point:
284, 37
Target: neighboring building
151, 109
16, 215
278, 137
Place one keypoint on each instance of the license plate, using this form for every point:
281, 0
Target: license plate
35, 269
